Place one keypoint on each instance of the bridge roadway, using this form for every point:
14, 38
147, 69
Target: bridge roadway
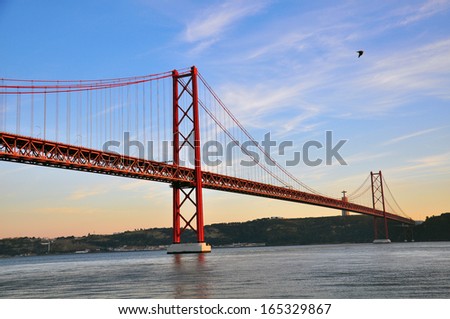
27, 150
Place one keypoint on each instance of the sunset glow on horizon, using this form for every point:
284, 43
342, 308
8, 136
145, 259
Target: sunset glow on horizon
286, 69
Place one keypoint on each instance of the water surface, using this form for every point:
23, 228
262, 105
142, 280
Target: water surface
399, 270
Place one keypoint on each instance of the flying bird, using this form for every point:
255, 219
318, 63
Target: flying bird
360, 52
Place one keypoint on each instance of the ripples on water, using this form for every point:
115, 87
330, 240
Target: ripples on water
406, 270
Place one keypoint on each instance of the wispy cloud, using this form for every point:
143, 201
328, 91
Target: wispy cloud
207, 28
426, 10
365, 157
293, 40
386, 82
380, 85
439, 162
422, 68
332, 79
83, 193
258, 99
411, 135
300, 123
267, 107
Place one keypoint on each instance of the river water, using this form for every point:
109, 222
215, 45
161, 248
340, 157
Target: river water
399, 270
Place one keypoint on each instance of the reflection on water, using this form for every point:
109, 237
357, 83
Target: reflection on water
407, 270
189, 278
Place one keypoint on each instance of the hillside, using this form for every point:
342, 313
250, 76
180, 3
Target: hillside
435, 228
268, 231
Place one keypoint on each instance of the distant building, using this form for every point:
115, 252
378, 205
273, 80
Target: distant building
345, 199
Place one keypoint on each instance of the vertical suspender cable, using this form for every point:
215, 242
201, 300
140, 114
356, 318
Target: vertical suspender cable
99, 115
2, 108
68, 115
151, 115
32, 111
6, 110
225, 143
128, 110
18, 114
111, 112
105, 117
157, 116
143, 116
203, 126
96, 120
90, 119
57, 114
164, 109
215, 127
136, 111
237, 150
79, 116
86, 116
45, 115
121, 115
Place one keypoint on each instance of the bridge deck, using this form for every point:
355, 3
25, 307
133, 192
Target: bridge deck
35, 151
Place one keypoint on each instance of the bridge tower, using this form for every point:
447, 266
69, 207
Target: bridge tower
187, 196
345, 199
378, 199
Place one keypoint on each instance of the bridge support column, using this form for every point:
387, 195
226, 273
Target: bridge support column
378, 198
187, 196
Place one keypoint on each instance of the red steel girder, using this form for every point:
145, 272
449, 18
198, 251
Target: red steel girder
35, 151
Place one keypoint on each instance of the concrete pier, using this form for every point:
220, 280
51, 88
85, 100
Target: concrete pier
190, 248
382, 241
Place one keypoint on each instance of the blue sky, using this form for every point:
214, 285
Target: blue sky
288, 67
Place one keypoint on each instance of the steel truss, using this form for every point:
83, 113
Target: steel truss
377, 199
186, 115
40, 152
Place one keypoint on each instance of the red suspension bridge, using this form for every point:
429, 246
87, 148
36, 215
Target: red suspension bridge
151, 127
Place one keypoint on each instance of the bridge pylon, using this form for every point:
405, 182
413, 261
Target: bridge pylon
378, 199
187, 196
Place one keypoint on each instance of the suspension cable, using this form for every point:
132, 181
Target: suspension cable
352, 194
393, 198
252, 140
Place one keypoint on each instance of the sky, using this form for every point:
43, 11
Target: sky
285, 67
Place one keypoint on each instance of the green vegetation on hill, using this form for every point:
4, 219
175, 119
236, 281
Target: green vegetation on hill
435, 228
301, 231
268, 231
22, 246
